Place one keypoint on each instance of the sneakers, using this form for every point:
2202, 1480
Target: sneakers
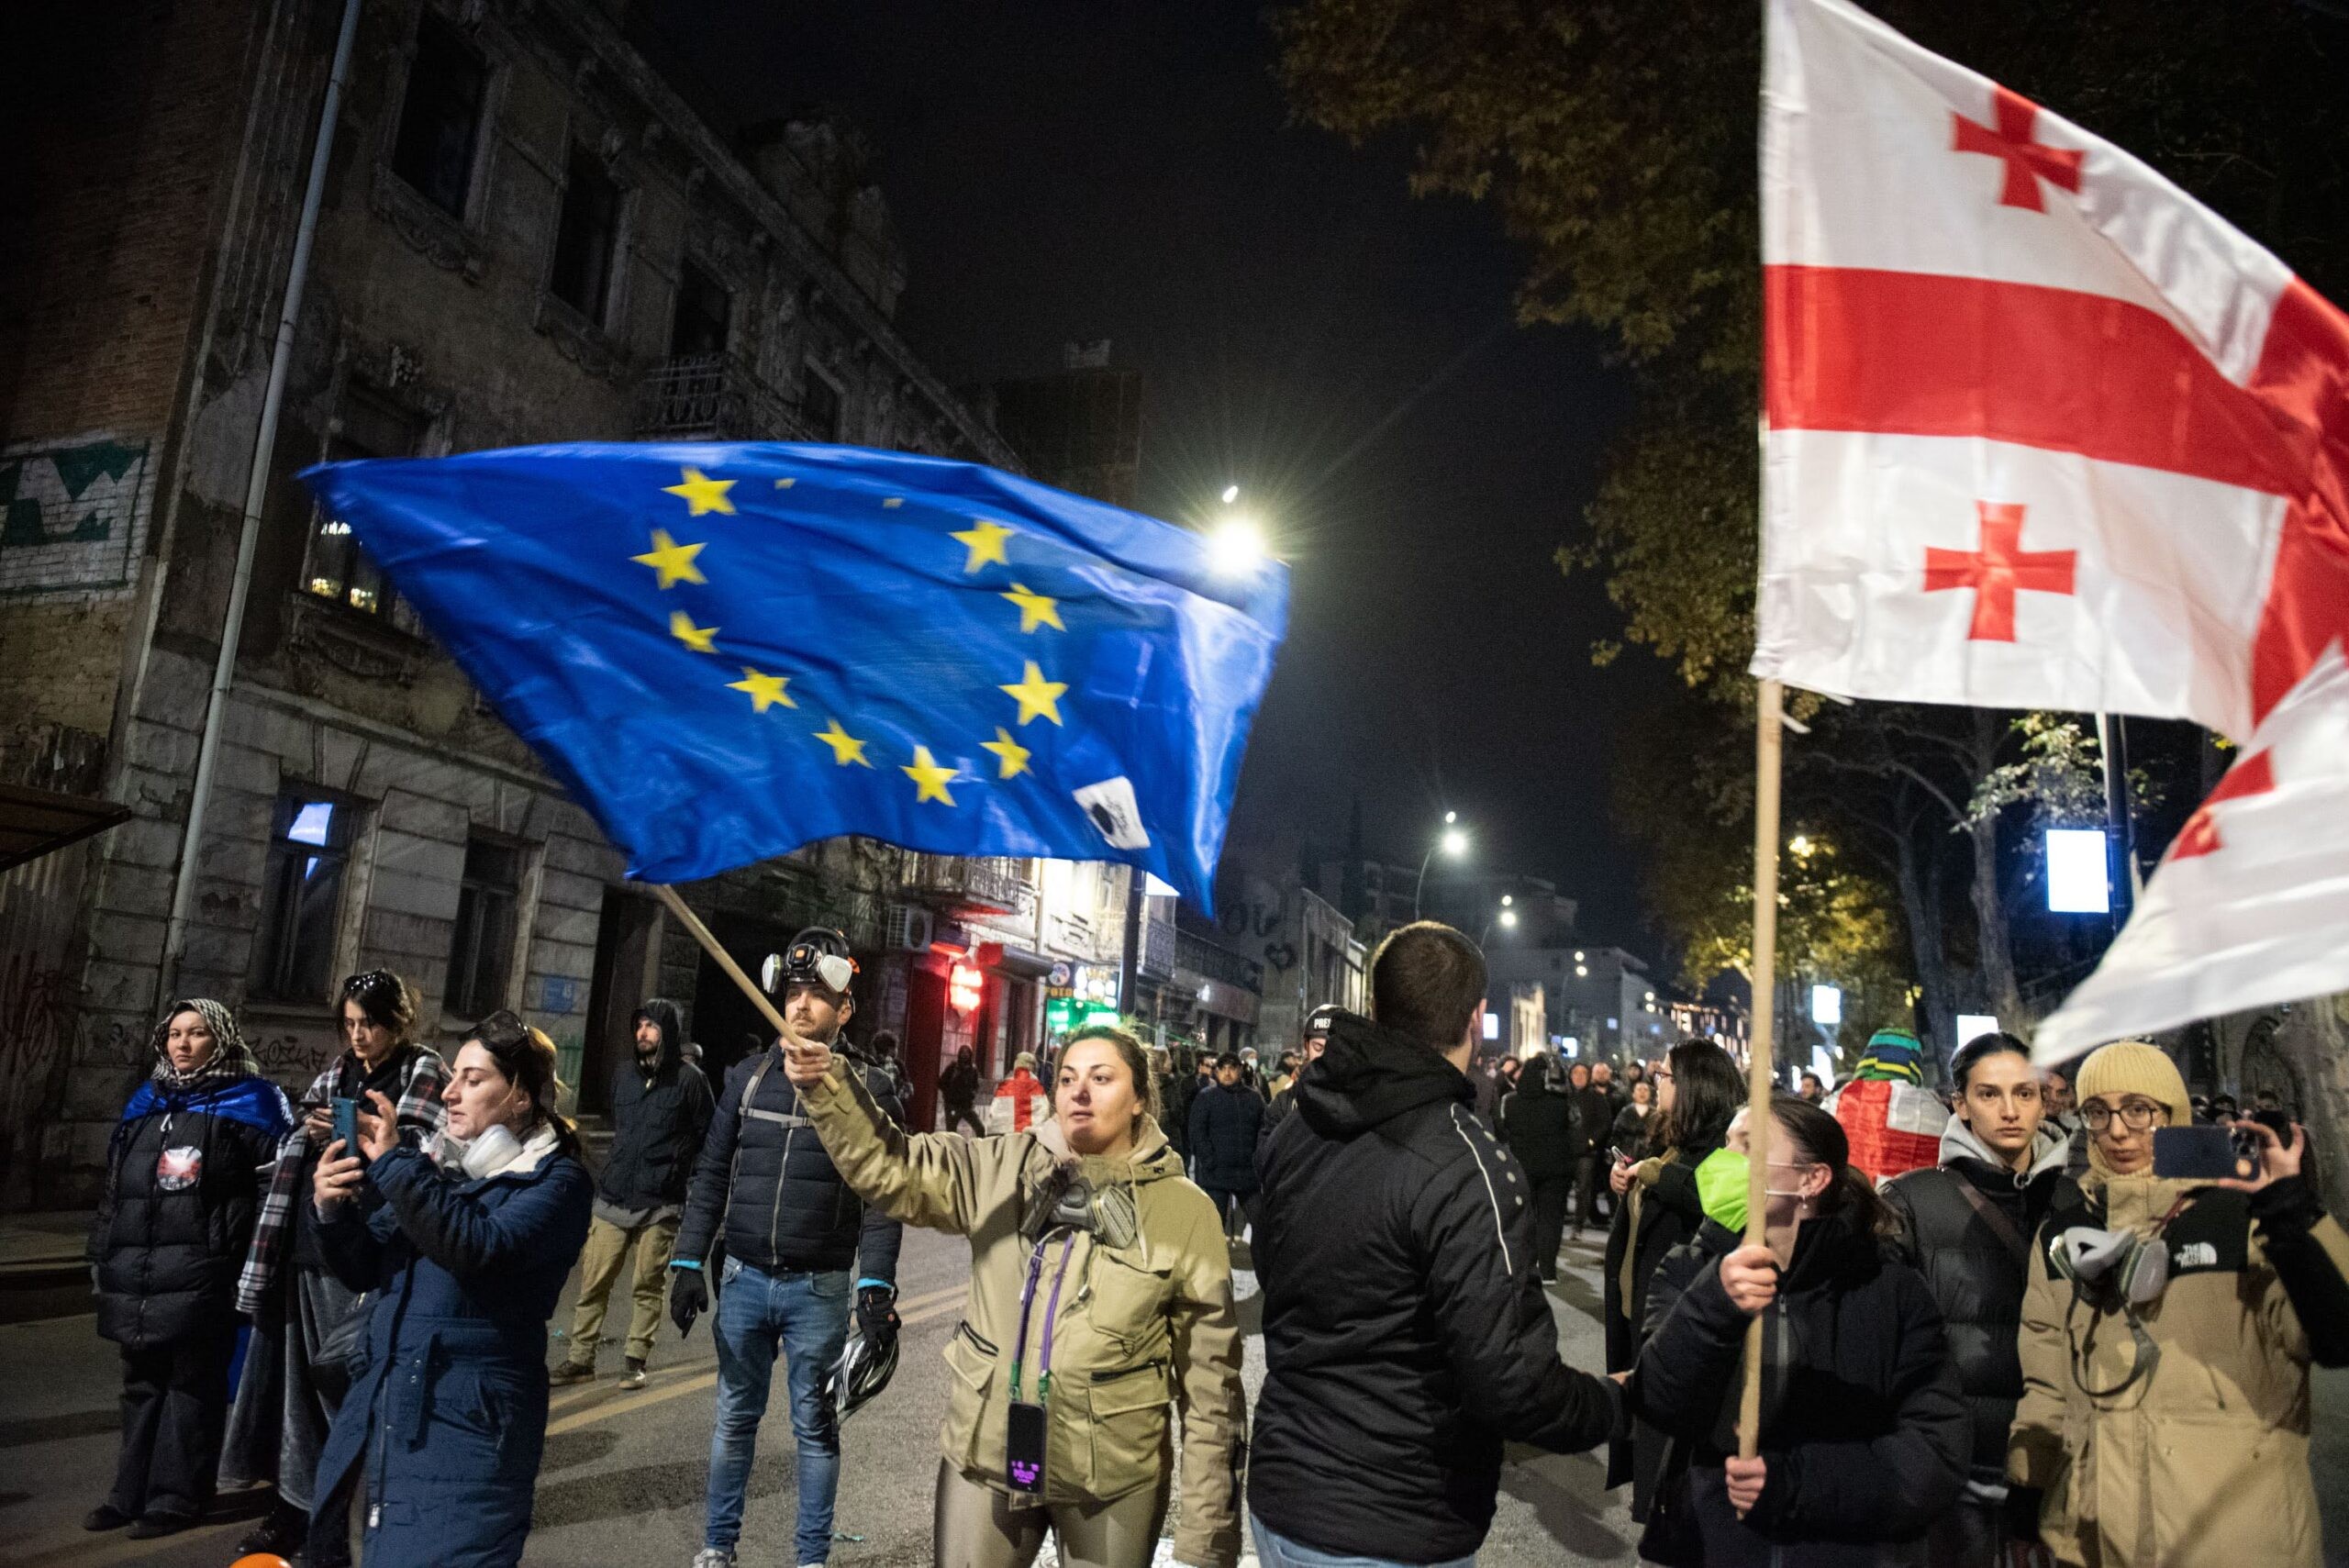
714, 1557
572, 1372
634, 1376
105, 1516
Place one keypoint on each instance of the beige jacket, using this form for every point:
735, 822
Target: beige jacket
2204, 1462
1139, 1328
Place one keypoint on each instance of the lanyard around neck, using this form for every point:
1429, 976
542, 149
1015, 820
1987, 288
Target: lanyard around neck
1051, 1315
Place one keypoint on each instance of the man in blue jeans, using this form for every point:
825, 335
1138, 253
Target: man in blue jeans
795, 1240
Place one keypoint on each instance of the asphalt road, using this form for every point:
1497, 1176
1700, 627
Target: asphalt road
622, 1485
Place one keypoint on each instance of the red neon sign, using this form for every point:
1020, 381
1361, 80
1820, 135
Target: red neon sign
963, 987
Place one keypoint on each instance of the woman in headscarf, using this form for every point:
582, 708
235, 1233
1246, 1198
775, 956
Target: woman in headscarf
183, 1188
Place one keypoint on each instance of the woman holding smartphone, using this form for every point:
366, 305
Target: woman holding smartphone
464, 1253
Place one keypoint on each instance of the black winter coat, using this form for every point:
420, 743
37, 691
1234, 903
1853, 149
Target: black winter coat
1594, 1119
1405, 1335
1648, 1225
1223, 1126
1539, 1127
1630, 1132
765, 1187
170, 1235
657, 1122
1864, 1430
1976, 1278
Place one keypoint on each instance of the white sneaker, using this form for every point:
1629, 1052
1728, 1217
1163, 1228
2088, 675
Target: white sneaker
713, 1557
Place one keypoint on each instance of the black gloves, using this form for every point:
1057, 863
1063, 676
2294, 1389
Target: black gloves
877, 1315
688, 1298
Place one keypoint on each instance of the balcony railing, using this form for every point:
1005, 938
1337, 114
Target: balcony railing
713, 397
1208, 962
972, 885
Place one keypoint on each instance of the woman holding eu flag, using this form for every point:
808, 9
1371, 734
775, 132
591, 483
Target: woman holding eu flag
1101, 1298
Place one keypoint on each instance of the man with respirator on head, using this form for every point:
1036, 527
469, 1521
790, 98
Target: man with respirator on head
792, 1245
2167, 1331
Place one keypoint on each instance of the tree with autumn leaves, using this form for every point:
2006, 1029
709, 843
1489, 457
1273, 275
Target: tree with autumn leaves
1617, 141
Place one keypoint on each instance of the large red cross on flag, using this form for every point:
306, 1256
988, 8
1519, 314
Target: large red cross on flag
1982, 324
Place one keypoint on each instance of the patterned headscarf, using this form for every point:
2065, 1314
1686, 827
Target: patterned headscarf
231, 1057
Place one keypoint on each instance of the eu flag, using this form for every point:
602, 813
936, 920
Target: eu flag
729, 651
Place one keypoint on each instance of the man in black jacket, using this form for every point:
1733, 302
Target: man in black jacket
1405, 1335
660, 1115
1967, 1225
1225, 1118
795, 1240
1594, 1124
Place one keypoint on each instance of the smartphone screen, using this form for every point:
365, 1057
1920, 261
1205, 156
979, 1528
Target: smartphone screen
1024, 1448
2199, 1155
346, 1125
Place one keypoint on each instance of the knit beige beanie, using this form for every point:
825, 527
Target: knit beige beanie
2135, 1067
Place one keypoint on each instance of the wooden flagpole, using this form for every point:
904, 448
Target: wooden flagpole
692, 922
1761, 1063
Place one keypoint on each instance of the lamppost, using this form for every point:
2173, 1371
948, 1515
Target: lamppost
1504, 917
1453, 841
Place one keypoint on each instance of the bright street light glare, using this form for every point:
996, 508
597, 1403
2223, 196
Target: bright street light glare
1450, 817
1508, 919
1508, 899
1231, 493
1455, 842
1236, 546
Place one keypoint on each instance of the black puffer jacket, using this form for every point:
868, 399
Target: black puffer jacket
1406, 1335
766, 1188
1224, 1123
1977, 1277
1538, 1125
1864, 1431
183, 1187
659, 1120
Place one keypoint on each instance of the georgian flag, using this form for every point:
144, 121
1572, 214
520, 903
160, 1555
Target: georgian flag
2043, 431
2250, 905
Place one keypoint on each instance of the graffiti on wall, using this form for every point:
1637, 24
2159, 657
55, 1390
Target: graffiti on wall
72, 514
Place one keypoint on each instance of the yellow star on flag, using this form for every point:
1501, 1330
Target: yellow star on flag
697, 638
674, 561
985, 540
765, 690
1035, 609
1038, 696
846, 747
1015, 756
702, 494
930, 779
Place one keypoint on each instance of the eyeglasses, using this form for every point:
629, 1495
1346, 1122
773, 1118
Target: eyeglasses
2135, 1116
1660, 1074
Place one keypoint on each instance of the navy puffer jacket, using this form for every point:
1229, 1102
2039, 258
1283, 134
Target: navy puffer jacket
658, 1120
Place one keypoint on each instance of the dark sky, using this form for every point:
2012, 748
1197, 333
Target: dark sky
1079, 169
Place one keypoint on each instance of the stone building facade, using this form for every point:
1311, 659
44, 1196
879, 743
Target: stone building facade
526, 236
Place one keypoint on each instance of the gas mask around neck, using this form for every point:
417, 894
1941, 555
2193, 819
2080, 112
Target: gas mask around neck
490, 1152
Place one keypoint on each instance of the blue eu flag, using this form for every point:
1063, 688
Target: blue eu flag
729, 651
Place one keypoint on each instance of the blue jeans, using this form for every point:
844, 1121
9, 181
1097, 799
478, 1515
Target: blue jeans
805, 1315
1279, 1551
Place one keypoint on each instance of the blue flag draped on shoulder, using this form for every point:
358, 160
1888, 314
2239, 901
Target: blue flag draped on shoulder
729, 651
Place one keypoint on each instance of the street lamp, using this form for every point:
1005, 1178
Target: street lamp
1236, 546
1505, 919
1453, 841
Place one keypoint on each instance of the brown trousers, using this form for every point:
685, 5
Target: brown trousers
978, 1528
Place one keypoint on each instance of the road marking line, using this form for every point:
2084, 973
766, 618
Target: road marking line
633, 1402
940, 1311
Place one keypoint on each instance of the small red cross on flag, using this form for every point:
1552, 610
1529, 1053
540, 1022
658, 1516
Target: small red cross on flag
2255, 775
2028, 162
1996, 570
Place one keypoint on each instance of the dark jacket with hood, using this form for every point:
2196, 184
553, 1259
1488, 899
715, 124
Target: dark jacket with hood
1538, 1125
1977, 1275
765, 1186
1405, 1335
659, 1119
1223, 1126
1864, 1431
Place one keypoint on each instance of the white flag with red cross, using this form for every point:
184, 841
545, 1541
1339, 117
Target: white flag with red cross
2250, 905
2043, 431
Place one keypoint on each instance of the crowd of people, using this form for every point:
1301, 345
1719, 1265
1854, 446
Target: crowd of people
2033, 1348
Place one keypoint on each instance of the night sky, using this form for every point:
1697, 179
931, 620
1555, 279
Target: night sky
1080, 168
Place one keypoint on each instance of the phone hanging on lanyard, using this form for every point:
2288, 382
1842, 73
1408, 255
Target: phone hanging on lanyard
1026, 1427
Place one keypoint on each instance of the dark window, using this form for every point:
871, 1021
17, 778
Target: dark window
339, 568
440, 117
301, 896
481, 951
704, 308
585, 236
820, 403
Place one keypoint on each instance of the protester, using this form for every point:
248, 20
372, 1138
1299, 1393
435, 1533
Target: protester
2165, 1413
1659, 1206
1406, 1337
462, 1257
1893, 1123
1225, 1119
1602, 1078
958, 1091
794, 1238
1137, 1311
1189, 1084
661, 1113
1629, 1136
1309, 1050
182, 1190
1814, 1087
304, 1319
1539, 1125
1863, 1434
886, 1051
2064, 1116
1967, 1225
1594, 1124
1019, 1100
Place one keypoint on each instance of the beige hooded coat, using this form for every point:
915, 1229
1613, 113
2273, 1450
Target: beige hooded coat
1140, 1328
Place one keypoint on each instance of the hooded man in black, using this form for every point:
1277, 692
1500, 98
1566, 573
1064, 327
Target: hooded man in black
661, 1111
1406, 1334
